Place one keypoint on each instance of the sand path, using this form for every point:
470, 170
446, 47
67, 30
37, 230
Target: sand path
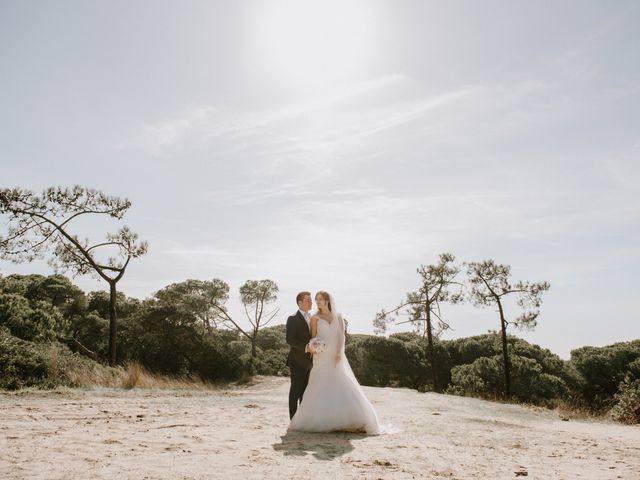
240, 433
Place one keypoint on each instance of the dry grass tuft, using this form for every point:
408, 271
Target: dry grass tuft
245, 379
87, 373
571, 411
95, 375
136, 376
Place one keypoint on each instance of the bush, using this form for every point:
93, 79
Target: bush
273, 362
485, 378
34, 321
466, 350
381, 362
92, 332
48, 365
71, 369
22, 363
169, 341
550, 388
602, 370
627, 402
423, 378
272, 338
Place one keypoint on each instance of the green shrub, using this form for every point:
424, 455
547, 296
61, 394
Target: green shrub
482, 378
422, 378
22, 363
627, 402
272, 338
35, 321
485, 378
92, 332
273, 362
48, 365
381, 362
466, 350
602, 370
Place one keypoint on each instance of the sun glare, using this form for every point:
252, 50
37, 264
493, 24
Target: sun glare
316, 43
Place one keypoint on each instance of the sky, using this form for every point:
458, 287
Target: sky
338, 145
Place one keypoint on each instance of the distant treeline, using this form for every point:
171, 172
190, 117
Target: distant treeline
50, 330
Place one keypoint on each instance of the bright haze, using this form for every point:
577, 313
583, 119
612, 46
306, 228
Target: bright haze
338, 145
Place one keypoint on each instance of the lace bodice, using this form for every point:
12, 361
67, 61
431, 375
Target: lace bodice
329, 334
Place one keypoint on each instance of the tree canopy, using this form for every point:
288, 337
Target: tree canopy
43, 223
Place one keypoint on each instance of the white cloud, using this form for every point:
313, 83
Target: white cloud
209, 123
158, 137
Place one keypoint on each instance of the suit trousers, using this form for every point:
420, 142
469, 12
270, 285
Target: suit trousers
299, 380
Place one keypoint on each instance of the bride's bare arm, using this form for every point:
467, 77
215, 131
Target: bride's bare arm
314, 326
340, 349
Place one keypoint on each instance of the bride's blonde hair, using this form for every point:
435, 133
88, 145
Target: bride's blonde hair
326, 296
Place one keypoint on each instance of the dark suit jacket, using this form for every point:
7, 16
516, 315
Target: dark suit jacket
298, 335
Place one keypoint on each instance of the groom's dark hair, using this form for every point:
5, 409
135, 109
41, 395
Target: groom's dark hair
300, 296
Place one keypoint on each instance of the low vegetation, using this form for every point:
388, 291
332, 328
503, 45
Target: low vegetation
53, 334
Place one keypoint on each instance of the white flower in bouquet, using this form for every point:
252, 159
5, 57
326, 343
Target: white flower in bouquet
316, 345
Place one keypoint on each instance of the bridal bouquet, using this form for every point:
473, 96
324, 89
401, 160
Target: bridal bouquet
316, 345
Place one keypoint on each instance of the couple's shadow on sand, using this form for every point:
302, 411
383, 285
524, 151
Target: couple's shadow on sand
323, 446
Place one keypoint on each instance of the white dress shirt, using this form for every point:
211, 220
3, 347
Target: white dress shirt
307, 317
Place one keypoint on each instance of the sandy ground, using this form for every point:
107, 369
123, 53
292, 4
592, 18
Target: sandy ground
241, 433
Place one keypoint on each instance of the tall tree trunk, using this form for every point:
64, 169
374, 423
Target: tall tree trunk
505, 353
434, 375
112, 324
253, 345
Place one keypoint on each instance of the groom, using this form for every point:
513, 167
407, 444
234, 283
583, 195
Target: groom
299, 360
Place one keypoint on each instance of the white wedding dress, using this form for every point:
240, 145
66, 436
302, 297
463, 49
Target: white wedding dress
333, 399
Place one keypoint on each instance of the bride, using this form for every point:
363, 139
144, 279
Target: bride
333, 399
